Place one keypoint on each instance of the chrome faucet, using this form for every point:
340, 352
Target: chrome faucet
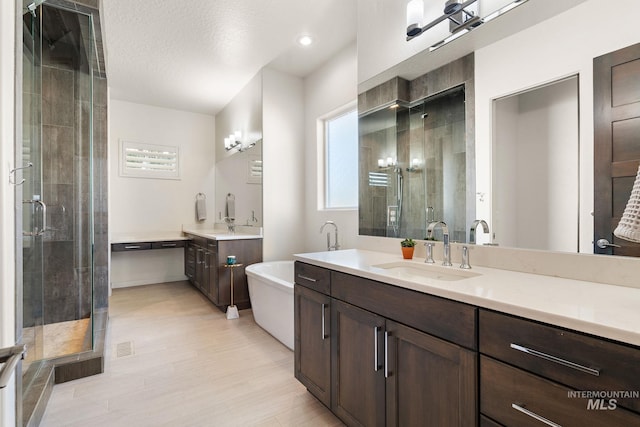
474, 227
445, 239
335, 246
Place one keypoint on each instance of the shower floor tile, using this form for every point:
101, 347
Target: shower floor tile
57, 339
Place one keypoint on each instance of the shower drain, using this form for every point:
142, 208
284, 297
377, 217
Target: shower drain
124, 349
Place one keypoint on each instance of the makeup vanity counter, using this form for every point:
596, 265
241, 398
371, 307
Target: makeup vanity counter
449, 346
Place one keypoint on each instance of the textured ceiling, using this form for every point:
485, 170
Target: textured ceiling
196, 55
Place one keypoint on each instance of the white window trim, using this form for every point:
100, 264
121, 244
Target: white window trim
321, 155
148, 173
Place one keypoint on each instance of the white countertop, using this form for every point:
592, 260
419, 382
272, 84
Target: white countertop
156, 236
216, 234
605, 310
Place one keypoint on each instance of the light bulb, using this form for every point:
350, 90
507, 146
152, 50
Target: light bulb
415, 15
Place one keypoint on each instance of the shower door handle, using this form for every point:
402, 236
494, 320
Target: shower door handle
35, 231
10, 357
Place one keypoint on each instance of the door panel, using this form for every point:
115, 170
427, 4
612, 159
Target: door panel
616, 88
358, 394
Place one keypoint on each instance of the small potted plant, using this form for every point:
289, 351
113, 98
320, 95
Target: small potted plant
408, 245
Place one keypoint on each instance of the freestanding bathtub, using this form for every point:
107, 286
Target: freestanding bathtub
271, 294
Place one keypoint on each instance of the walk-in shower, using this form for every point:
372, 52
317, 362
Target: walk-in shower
413, 166
64, 180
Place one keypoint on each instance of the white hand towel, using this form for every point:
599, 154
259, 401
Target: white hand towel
201, 208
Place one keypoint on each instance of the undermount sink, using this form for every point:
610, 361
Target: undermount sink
413, 271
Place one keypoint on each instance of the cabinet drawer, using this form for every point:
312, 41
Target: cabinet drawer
451, 320
134, 246
313, 277
514, 397
577, 360
168, 244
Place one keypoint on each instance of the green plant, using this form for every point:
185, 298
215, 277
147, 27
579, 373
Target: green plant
408, 243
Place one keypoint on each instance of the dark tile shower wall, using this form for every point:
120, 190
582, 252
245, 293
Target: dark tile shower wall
68, 168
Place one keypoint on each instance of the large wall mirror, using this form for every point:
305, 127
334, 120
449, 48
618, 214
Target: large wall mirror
530, 170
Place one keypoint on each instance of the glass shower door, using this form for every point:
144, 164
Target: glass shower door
57, 194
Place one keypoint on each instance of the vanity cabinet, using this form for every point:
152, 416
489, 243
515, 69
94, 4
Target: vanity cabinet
312, 361
204, 266
529, 370
389, 364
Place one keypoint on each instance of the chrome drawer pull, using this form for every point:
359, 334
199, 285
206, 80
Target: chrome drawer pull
375, 348
169, 245
534, 415
386, 354
132, 247
581, 368
324, 335
307, 278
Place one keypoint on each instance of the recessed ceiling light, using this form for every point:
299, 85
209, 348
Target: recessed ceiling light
305, 40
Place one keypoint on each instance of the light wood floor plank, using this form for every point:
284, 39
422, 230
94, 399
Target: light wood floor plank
188, 366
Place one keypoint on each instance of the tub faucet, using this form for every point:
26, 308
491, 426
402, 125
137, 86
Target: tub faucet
445, 239
474, 227
335, 246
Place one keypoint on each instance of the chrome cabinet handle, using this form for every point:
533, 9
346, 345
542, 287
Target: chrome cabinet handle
168, 245
534, 415
386, 354
376, 365
324, 335
132, 247
576, 366
310, 279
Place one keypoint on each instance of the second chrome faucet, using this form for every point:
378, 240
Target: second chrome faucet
445, 240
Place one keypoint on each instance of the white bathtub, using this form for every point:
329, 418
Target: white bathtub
271, 293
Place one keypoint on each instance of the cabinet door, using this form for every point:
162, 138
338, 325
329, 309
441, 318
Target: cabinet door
211, 272
199, 267
313, 342
190, 261
430, 382
358, 383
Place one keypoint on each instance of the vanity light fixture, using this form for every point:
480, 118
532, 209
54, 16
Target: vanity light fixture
415, 165
629, 226
233, 140
386, 163
415, 16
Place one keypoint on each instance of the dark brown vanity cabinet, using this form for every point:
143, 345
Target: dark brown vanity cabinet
530, 374
312, 362
204, 266
381, 371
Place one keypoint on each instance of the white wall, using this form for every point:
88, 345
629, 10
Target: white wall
535, 169
330, 87
283, 157
7, 226
157, 205
559, 47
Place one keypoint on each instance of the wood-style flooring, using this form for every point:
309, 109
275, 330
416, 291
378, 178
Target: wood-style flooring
173, 359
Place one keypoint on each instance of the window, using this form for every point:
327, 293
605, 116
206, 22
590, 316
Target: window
341, 160
149, 161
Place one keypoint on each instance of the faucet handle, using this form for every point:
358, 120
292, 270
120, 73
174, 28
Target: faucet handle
429, 257
465, 258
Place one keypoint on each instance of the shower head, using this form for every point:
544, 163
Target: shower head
424, 116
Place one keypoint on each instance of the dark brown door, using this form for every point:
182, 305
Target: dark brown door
616, 100
430, 382
313, 342
358, 383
